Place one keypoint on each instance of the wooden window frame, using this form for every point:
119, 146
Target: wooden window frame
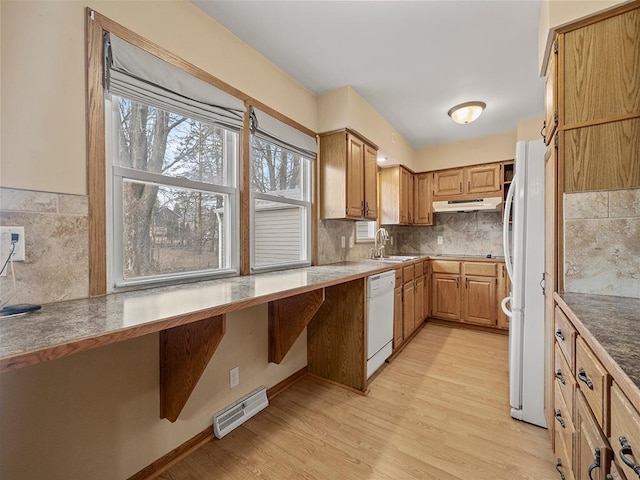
96, 25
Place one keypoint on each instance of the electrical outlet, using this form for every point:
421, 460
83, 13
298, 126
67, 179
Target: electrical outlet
5, 245
343, 241
440, 239
234, 377
391, 240
351, 241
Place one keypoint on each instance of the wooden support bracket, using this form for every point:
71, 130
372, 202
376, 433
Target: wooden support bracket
288, 317
185, 352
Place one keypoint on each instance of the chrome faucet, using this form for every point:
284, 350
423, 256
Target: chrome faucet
378, 251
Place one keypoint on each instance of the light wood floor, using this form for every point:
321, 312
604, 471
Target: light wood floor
438, 411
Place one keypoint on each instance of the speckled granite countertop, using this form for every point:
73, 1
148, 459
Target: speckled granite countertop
614, 322
63, 328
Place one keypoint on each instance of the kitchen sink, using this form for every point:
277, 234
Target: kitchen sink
397, 258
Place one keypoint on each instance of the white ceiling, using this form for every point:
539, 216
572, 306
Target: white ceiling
411, 60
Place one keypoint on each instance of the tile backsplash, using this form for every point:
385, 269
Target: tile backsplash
602, 242
56, 233
469, 233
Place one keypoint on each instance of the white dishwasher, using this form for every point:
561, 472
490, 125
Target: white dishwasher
379, 319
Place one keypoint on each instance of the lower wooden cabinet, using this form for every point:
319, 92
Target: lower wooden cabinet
398, 334
467, 292
592, 452
606, 442
446, 296
625, 432
479, 300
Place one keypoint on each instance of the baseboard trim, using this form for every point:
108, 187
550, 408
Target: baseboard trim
174, 456
468, 326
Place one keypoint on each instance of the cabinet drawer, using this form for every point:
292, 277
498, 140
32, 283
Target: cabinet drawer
445, 266
625, 422
418, 269
565, 336
592, 452
592, 380
407, 273
484, 269
564, 380
563, 420
399, 277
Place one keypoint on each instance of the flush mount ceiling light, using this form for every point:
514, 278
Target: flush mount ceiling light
466, 112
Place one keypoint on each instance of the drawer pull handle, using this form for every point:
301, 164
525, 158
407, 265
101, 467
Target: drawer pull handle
596, 462
559, 334
582, 376
559, 418
558, 465
626, 450
560, 377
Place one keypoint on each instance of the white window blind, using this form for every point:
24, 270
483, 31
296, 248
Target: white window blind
279, 133
136, 74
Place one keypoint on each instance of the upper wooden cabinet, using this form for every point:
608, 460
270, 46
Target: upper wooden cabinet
448, 183
396, 196
468, 181
423, 211
602, 69
598, 101
347, 173
483, 178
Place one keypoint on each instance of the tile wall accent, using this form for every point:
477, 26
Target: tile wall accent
471, 233
602, 242
57, 241
330, 233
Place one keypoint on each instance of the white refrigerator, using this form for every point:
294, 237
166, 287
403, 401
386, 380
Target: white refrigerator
524, 258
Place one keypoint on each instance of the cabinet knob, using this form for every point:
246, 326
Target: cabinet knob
560, 377
559, 334
558, 465
558, 416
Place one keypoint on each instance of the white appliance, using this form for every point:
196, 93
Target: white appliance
491, 203
379, 319
526, 268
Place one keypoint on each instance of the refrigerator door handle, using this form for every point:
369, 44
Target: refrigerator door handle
506, 311
505, 227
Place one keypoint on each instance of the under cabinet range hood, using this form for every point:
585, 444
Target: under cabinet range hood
491, 203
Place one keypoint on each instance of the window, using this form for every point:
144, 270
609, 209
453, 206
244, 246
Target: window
365, 231
172, 165
280, 195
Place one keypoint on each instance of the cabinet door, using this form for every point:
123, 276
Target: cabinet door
397, 318
406, 195
601, 65
446, 296
408, 308
502, 292
355, 177
625, 425
422, 198
447, 183
550, 97
426, 297
479, 299
483, 179
419, 302
370, 183
592, 449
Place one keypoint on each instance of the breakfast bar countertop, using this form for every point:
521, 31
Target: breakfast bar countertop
65, 327
613, 322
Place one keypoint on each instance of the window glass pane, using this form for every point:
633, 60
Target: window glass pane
280, 233
169, 230
159, 141
365, 231
278, 172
